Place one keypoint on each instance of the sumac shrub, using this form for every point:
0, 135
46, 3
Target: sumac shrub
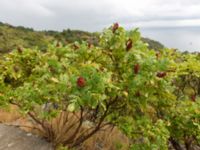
73, 91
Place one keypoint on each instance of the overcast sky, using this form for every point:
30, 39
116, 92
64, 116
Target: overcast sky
94, 15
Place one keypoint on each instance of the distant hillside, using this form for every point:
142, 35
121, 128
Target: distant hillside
12, 37
153, 44
69, 36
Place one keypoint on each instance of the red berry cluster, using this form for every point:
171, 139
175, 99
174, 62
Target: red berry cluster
161, 74
115, 27
81, 82
193, 98
136, 68
129, 44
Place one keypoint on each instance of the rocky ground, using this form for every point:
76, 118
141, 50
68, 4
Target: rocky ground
13, 138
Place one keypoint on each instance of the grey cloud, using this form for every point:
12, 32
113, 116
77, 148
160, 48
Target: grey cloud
93, 15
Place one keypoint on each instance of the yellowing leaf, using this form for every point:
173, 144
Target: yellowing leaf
71, 107
125, 94
54, 80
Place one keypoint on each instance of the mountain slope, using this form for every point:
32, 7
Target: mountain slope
12, 37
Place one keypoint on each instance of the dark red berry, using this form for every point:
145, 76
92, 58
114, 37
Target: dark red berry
129, 44
193, 98
115, 27
161, 74
136, 68
81, 82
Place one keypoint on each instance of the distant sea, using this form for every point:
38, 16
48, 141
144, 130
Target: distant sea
182, 38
